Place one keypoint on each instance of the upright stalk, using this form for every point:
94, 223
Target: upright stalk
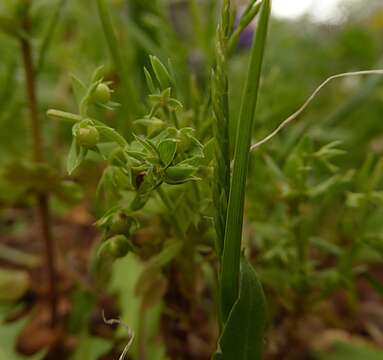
234, 219
42, 199
130, 98
169, 205
220, 102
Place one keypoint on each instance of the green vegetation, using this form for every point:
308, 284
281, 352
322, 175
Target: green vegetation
152, 177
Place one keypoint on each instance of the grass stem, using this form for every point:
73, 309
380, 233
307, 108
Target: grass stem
234, 220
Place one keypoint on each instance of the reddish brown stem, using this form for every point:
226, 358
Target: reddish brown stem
46, 234
42, 199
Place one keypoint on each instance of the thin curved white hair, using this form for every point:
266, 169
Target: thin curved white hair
293, 116
130, 333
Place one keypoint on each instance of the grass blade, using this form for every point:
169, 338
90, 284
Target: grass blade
234, 220
242, 336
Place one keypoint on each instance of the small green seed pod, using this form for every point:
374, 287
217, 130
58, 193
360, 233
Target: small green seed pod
87, 136
119, 246
102, 93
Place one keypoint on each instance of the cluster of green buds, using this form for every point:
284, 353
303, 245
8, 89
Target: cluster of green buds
166, 154
172, 157
118, 225
86, 134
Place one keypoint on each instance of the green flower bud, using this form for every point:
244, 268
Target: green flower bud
188, 143
179, 174
118, 246
121, 224
118, 158
102, 93
184, 141
87, 136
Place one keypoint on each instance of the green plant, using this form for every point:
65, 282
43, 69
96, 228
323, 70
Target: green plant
237, 281
170, 154
138, 172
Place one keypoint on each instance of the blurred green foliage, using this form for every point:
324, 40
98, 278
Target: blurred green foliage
314, 194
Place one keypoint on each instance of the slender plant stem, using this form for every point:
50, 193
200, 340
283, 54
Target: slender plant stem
62, 115
130, 100
46, 232
221, 121
32, 101
167, 202
47, 40
234, 220
220, 104
42, 199
142, 333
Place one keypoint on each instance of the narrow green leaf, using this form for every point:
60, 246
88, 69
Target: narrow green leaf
161, 72
79, 89
72, 158
98, 74
243, 335
147, 144
233, 231
75, 157
167, 150
149, 81
112, 135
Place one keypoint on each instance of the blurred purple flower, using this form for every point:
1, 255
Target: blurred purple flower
246, 38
